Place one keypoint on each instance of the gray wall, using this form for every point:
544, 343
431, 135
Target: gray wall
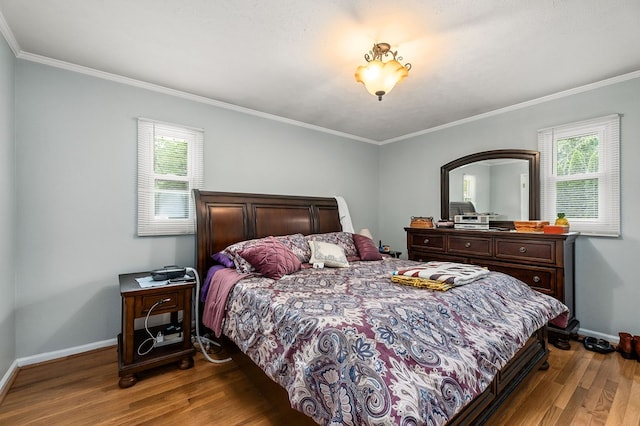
7, 210
76, 171
75, 174
607, 289
482, 172
506, 191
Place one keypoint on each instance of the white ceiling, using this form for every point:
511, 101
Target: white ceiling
295, 59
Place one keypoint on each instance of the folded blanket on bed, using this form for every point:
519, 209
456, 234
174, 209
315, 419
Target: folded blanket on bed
421, 282
207, 281
222, 282
445, 272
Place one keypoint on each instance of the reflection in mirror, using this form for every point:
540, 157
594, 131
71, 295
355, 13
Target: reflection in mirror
503, 183
499, 188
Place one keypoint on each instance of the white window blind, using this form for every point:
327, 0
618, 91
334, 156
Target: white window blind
170, 166
580, 174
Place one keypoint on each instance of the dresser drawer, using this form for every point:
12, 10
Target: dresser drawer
432, 242
528, 250
538, 278
425, 256
475, 246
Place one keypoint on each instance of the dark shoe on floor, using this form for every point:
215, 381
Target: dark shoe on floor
598, 345
636, 346
625, 347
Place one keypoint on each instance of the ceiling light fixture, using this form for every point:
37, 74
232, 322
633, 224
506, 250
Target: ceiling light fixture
379, 77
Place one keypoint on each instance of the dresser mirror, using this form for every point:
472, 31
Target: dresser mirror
503, 183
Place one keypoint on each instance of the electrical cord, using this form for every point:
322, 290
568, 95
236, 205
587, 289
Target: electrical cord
199, 338
151, 337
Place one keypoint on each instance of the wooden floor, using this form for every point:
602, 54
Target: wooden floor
580, 388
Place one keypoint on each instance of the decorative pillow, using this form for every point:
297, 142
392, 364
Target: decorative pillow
271, 258
224, 260
342, 239
233, 252
298, 245
295, 242
366, 248
332, 255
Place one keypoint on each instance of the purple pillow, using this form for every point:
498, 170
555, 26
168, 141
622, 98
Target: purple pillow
223, 260
296, 243
367, 250
271, 258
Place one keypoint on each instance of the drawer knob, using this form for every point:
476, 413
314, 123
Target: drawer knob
426, 241
467, 245
536, 279
523, 249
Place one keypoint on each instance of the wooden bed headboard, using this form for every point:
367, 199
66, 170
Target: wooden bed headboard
224, 218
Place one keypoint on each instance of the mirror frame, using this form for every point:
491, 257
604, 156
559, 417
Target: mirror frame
533, 157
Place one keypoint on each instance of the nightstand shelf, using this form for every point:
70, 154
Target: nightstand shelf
136, 303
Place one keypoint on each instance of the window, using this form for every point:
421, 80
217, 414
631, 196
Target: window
469, 188
580, 174
170, 166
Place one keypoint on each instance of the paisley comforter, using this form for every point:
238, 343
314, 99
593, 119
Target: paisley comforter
351, 347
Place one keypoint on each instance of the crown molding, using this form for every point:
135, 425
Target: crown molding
180, 94
5, 30
543, 99
8, 36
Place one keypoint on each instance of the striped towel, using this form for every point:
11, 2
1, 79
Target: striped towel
445, 272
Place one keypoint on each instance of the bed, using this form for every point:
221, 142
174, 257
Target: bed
349, 345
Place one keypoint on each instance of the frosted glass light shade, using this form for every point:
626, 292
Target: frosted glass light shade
379, 78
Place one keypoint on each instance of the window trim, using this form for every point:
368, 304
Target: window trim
148, 224
608, 130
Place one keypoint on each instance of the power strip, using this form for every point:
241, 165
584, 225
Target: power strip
169, 339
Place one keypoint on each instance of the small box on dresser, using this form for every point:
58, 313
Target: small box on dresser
543, 261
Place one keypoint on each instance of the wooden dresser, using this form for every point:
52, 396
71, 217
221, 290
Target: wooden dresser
544, 261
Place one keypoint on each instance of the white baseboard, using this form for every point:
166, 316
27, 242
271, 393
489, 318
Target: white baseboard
13, 369
610, 338
48, 356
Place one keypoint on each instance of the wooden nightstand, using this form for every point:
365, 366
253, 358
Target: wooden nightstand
136, 303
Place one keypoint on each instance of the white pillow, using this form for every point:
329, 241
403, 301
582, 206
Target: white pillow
331, 255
